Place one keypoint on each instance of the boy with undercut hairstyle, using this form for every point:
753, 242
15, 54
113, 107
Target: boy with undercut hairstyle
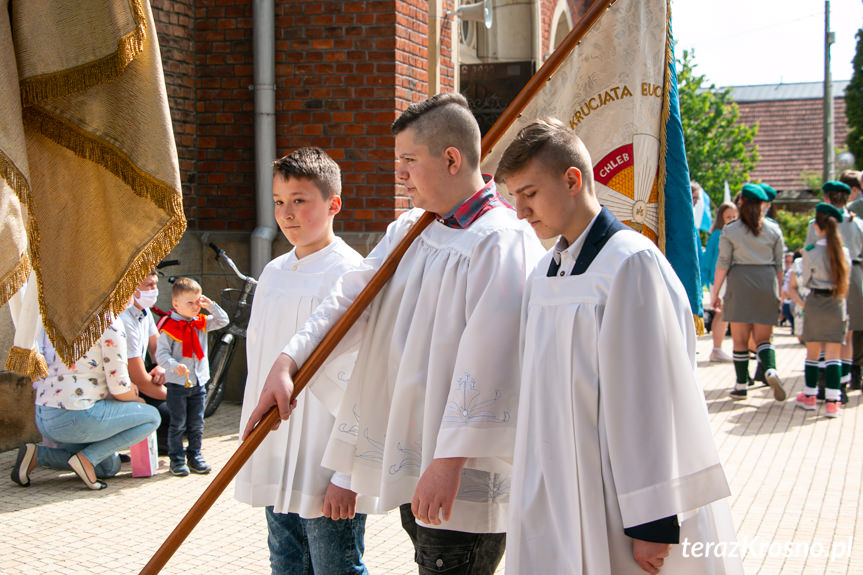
312, 520
614, 459
427, 420
181, 351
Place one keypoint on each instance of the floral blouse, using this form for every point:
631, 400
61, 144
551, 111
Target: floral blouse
100, 372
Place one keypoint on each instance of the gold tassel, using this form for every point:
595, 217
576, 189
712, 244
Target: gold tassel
27, 362
699, 325
17, 276
79, 78
12, 281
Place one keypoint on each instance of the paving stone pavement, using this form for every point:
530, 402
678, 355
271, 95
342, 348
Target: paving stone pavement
794, 475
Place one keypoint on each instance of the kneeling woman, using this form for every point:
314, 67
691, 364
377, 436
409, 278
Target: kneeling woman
90, 410
750, 260
825, 273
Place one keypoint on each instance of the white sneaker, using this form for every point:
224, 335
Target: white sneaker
720, 356
772, 377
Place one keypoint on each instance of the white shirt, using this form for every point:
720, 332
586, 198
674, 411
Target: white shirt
285, 470
437, 372
140, 327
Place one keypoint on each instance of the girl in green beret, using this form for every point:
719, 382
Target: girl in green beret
825, 272
751, 263
851, 231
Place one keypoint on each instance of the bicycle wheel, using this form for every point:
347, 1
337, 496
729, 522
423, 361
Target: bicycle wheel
221, 358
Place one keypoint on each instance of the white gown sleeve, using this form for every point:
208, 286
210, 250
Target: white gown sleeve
652, 411
479, 418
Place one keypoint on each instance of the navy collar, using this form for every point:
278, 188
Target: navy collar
604, 226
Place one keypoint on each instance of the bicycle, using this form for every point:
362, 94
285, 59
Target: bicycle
237, 303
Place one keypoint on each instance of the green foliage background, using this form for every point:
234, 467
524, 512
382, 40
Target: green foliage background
794, 225
717, 150
854, 104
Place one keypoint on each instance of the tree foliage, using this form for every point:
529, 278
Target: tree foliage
854, 104
718, 149
794, 226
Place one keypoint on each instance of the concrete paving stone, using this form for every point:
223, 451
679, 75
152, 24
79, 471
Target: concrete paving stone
794, 476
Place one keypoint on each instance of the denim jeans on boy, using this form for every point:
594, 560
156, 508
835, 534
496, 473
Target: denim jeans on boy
98, 433
186, 406
323, 546
452, 552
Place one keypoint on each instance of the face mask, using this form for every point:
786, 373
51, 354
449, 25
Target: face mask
147, 298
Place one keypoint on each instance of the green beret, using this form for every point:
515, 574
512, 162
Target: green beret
829, 210
771, 193
754, 192
836, 187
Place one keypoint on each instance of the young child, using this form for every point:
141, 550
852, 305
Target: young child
309, 513
826, 266
614, 457
181, 351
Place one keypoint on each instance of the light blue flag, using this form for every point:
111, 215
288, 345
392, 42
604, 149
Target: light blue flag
681, 237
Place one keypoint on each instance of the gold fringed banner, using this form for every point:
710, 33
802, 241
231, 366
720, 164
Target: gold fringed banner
27, 362
102, 174
78, 78
89, 147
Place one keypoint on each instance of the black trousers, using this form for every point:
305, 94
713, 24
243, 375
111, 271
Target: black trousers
439, 551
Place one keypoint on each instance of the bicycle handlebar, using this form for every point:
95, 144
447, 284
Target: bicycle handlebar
220, 253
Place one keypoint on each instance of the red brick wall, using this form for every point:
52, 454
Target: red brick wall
225, 114
344, 70
175, 28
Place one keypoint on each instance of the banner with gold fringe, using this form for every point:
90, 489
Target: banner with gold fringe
617, 89
87, 154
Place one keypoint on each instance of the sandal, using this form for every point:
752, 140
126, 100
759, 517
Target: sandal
78, 467
24, 464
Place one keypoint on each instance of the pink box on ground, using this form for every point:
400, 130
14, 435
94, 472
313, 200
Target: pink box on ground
145, 457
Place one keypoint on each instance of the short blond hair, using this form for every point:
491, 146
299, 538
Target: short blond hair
185, 285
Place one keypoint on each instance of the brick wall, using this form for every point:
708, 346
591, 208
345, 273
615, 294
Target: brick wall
344, 70
225, 114
175, 27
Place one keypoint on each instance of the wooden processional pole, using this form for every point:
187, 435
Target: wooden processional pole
341, 327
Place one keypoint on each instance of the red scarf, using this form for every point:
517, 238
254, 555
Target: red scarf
186, 332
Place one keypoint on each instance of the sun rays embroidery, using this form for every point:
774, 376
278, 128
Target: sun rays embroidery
376, 451
351, 429
411, 458
471, 407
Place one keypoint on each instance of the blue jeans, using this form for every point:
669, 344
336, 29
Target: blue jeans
186, 406
452, 552
324, 546
98, 433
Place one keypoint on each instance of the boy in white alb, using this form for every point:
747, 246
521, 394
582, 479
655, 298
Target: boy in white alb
427, 421
311, 518
614, 457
